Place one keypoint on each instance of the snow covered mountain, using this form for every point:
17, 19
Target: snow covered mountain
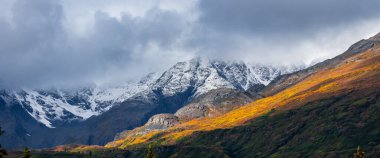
66, 105
197, 75
203, 75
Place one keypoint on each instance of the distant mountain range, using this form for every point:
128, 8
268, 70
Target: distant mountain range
94, 114
206, 108
326, 110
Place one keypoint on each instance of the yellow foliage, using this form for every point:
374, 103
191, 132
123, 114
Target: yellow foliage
324, 83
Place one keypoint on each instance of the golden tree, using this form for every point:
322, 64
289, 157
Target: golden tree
2, 151
358, 154
26, 153
150, 152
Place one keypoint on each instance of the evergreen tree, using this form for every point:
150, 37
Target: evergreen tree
26, 153
2, 151
1, 131
358, 154
150, 152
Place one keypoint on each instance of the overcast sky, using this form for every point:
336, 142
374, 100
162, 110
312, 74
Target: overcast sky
75, 42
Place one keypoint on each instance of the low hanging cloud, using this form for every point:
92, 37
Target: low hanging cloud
47, 43
39, 50
284, 31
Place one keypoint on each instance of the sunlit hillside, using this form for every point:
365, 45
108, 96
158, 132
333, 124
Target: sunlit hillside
360, 72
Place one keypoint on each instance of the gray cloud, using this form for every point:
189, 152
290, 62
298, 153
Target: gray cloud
33, 33
37, 50
289, 31
263, 17
68, 43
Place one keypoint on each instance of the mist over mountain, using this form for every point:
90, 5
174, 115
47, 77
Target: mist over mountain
201, 78
334, 102
71, 43
69, 110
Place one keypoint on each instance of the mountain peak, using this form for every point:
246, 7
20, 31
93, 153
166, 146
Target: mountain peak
363, 45
375, 38
193, 77
200, 75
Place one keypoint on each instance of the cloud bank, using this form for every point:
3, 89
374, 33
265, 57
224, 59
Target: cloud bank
74, 42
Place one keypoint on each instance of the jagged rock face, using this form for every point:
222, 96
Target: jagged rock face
155, 123
192, 111
214, 103
162, 120
197, 74
203, 75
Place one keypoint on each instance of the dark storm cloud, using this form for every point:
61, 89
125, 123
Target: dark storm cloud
35, 25
70, 43
34, 31
276, 31
37, 50
284, 16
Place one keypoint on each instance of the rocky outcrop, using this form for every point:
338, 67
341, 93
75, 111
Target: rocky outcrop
156, 122
162, 121
192, 111
214, 103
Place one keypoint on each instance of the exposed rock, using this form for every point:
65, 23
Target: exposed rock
254, 91
94, 114
161, 121
155, 123
192, 111
214, 103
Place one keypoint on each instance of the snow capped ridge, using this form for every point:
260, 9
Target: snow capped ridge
204, 75
198, 75
47, 106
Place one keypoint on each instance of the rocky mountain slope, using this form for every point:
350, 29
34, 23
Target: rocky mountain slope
94, 114
202, 75
325, 113
49, 106
55, 105
156, 122
178, 86
282, 82
213, 103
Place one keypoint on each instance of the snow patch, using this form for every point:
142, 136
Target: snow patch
198, 75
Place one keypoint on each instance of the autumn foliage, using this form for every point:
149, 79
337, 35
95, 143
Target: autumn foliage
359, 72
